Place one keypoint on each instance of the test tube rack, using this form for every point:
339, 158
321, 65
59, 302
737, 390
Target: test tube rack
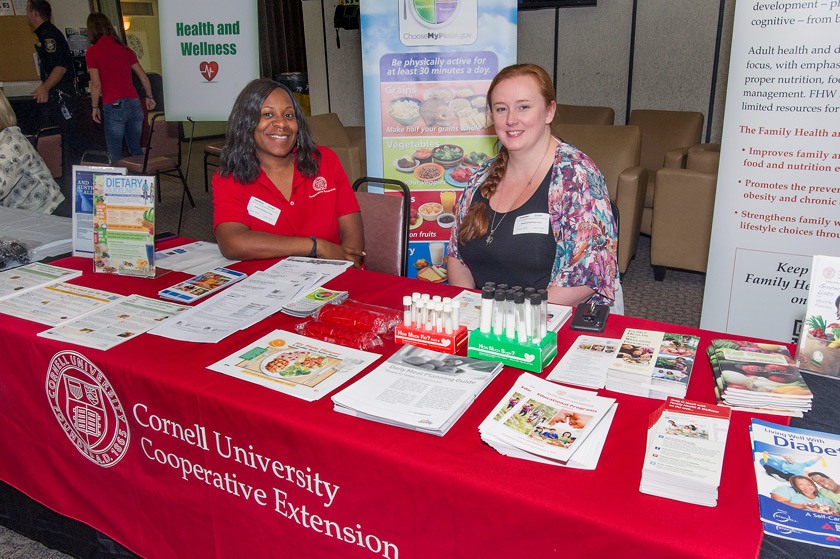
437, 341
529, 356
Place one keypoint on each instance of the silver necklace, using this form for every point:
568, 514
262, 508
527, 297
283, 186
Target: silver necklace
493, 224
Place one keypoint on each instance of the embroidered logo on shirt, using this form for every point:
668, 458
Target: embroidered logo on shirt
319, 185
49, 44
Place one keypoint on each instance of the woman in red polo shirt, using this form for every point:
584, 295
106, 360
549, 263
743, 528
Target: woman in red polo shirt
110, 64
276, 193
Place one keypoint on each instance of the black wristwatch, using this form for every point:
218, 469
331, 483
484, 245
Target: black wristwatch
314, 252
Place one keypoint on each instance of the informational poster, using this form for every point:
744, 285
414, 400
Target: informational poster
210, 51
778, 192
124, 225
83, 205
427, 66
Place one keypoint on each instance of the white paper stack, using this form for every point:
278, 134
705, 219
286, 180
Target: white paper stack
32, 276
684, 455
418, 389
545, 422
652, 364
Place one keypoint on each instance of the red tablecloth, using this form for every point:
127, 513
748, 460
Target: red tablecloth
278, 476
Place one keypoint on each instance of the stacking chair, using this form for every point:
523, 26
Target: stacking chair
48, 145
212, 153
385, 219
162, 154
584, 114
615, 150
682, 212
663, 131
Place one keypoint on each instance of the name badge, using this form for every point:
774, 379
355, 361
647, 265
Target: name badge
531, 223
264, 211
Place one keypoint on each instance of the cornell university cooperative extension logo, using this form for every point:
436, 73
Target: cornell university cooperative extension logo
87, 408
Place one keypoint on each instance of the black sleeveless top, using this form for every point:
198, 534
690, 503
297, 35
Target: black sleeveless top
525, 258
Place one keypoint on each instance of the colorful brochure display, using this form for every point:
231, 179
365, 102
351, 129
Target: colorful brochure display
124, 225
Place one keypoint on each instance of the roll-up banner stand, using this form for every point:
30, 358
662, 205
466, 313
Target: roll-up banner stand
427, 65
778, 190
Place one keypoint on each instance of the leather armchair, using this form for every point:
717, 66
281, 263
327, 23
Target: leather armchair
583, 114
616, 152
663, 131
347, 142
682, 211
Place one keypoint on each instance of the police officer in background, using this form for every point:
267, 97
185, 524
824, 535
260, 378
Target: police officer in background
56, 95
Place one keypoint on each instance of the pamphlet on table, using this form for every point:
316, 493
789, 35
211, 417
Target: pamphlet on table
114, 323
192, 258
684, 454
314, 300
202, 285
418, 389
251, 300
295, 365
797, 471
56, 303
470, 315
83, 178
652, 364
758, 377
544, 422
32, 276
124, 225
586, 362
818, 351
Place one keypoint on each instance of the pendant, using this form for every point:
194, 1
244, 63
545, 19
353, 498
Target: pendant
489, 238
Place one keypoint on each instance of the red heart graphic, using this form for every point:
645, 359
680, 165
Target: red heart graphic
209, 70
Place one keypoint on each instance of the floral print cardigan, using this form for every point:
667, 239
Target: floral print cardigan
25, 181
581, 219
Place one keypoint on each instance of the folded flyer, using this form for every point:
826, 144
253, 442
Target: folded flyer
202, 285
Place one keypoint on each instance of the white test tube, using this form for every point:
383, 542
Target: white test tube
485, 322
536, 331
438, 326
521, 323
456, 315
499, 314
543, 312
407, 310
510, 314
447, 318
421, 314
415, 298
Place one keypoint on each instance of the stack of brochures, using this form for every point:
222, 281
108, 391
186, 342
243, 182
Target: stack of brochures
797, 473
758, 377
652, 364
418, 389
202, 285
684, 455
544, 422
586, 362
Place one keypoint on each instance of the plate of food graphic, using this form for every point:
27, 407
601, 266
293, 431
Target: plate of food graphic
293, 363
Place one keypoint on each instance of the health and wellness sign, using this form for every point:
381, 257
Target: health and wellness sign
427, 66
209, 52
778, 192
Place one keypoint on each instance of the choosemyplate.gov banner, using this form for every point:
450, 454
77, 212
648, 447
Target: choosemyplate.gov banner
427, 66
